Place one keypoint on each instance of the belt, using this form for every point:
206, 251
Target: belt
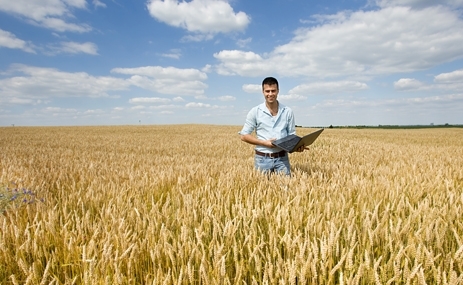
272, 154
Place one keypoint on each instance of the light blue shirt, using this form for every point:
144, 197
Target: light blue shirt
267, 126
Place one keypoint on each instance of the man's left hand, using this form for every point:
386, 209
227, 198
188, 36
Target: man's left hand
302, 148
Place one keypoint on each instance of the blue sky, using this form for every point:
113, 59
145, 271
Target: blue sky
116, 62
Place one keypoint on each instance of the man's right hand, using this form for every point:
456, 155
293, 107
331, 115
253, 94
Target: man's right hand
253, 140
268, 143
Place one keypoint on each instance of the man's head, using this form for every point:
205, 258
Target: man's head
270, 90
270, 81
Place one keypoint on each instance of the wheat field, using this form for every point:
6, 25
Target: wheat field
182, 204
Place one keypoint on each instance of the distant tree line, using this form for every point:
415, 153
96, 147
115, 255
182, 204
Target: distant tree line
388, 126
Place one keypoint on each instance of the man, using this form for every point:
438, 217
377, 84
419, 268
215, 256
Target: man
271, 120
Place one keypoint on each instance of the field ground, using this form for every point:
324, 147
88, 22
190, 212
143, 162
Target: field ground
182, 204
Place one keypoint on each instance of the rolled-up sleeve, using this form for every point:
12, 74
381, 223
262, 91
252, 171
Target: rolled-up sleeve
251, 123
291, 124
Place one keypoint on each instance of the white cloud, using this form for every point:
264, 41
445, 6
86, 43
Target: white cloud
394, 39
227, 98
163, 72
329, 87
18, 101
196, 38
50, 14
58, 111
408, 84
244, 63
207, 68
451, 77
173, 86
165, 107
441, 101
166, 80
98, 3
201, 97
38, 82
75, 48
94, 112
451, 81
173, 53
418, 3
9, 40
28, 83
292, 97
200, 105
252, 88
353, 110
148, 100
243, 42
199, 16
422, 102
237, 55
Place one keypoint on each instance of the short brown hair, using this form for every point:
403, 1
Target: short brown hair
270, 81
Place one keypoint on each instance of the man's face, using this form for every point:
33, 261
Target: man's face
270, 93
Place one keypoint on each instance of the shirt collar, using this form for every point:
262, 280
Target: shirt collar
264, 108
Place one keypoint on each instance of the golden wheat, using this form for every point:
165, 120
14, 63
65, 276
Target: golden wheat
183, 205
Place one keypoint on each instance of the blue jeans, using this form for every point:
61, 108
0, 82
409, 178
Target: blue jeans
272, 165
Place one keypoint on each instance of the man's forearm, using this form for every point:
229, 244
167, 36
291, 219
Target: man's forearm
255, 141
251, 139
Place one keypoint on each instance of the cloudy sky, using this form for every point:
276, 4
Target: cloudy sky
119, 62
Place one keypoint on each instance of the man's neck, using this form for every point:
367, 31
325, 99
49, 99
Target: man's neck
272, 106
